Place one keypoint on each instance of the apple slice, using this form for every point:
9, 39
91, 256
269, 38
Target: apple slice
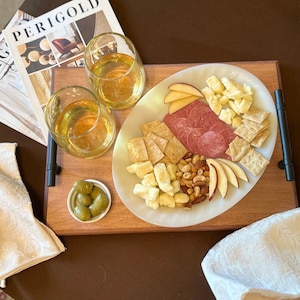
231, 177
239, 172
185, 88
222, 178
213, 182
178, 104
175, 95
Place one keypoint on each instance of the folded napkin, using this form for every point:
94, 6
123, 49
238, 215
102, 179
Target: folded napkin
24, 241
260, 261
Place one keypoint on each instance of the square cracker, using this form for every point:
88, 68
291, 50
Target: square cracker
254, 126
256, 115
238, 148
260, 138
159, 141
175, 150
154, 152
137, 150
147, 127
244, 132
163, 131
254, 162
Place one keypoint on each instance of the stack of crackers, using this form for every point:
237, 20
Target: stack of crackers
251, 134
158, 144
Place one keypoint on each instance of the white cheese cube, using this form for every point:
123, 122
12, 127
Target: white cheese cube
146, 192
215, 84
149, 180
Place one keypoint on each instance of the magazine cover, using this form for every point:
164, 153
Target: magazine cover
15, 108
57, 38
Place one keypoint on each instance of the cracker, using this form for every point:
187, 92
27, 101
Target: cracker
147, 127
260, 138
238, 148
254, 162
175, 150
256, 115
137, 150
159, 141
254, 126
163, 131
243, 132
165, 160
154, 152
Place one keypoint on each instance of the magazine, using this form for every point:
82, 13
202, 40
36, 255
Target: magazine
57, 38
15, 108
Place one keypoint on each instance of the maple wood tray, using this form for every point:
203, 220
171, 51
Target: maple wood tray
272, 194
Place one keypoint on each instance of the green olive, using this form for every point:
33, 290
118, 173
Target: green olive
84, 199
82, 212
96, 191
82, 186
99, 205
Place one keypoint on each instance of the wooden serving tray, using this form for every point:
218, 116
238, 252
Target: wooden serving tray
272, 194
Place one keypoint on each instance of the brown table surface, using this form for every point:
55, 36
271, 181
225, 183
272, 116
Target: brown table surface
161, 265
254, 206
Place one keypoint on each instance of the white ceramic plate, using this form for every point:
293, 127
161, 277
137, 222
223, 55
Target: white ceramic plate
151, 107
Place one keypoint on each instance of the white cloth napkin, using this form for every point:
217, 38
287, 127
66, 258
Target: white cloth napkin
24, 241
260, 261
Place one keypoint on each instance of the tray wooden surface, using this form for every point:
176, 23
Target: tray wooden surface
272, 194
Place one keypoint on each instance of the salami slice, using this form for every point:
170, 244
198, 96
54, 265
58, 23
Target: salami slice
177, 124
183, 136
225, 130
195, 135
197, 107
212, 144
205, 120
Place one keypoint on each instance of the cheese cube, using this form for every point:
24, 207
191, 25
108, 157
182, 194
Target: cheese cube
215, 84
149, 180
152, 204
140, 168
171, 170
234, 107
247, 89
163, 178
214, 104
146, 192
207, 92
226, 115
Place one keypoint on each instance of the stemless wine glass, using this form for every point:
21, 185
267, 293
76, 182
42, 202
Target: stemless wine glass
79, 123
114, 70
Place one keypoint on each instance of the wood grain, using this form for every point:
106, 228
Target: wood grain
272, 194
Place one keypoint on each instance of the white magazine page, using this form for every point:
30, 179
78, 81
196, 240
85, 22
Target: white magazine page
57, 38
15, 108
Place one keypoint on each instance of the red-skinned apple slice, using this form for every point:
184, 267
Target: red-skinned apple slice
231, 176
185, 88
222, 178
213, 181
239, 172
